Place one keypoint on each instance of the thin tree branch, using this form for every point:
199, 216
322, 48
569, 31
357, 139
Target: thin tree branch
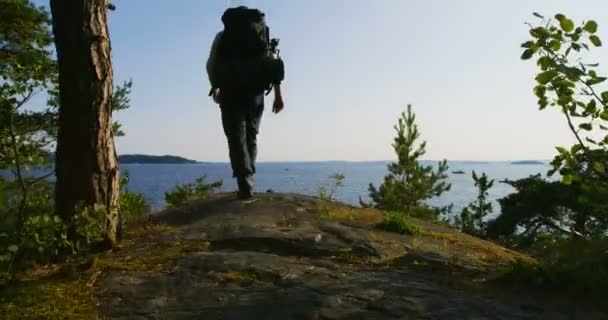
556, 227
594, 94
41, 178
573, 129
25, 99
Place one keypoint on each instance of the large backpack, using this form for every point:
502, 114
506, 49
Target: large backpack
246, 63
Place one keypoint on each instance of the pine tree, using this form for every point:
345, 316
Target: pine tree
409, 183
471, 218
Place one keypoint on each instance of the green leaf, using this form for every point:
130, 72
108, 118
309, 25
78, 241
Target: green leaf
604, 115
576, 148
591, 26
567, 179
567, 24
543, 103
527, 44
546, 77
538, 15
540, 32
599, 167
586, 126
592, 73
555, 45
590, 140
560, 17
595, 40
528, 53
562, 150
594, 81
605, 97
565, 100
540, 91
13, 248
591, 107
544, 62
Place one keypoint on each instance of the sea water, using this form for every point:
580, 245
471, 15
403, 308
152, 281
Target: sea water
153, 180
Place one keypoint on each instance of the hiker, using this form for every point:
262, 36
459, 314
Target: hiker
244, 64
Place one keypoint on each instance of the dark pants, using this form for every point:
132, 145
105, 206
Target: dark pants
241, 122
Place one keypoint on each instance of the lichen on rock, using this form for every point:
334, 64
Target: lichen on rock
289, 256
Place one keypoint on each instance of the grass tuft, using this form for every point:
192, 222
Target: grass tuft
399, 223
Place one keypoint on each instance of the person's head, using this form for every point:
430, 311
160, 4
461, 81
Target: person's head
242, 13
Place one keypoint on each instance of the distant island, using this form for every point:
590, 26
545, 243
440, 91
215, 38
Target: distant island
458, 172
535, 162
142, 158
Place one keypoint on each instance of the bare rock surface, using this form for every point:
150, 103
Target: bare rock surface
279, 257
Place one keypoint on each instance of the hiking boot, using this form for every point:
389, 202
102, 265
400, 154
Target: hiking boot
245, 187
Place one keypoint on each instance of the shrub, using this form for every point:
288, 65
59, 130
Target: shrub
399, 223
577, 266
45, 237
328, 192
133, 206
471, 219
189, 192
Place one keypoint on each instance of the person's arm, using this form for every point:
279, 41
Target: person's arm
210, 66
278, 104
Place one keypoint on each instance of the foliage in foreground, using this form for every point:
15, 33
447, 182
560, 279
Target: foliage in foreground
409, 183
575, 207
564, 223
567, 82
198, 190
44, 236
576, 266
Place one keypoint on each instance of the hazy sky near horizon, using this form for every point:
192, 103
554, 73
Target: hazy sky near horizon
352, 67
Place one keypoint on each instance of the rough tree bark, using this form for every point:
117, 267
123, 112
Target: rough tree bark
86, 161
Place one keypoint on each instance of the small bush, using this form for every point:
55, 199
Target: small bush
45, 237
471, 219
328, 192
399, 223
579, 266
189, 192
133, 206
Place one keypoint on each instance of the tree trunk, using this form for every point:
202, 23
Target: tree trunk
86, 161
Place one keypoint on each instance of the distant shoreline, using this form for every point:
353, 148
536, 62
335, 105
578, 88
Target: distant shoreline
151, 159
528, 162
169, 159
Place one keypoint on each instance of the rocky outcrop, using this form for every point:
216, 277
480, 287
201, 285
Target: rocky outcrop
295, 257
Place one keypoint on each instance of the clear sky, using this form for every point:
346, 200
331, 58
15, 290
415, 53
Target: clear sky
352, 67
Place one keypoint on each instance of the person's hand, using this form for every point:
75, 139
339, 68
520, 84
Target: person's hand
216, 95
278, 105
